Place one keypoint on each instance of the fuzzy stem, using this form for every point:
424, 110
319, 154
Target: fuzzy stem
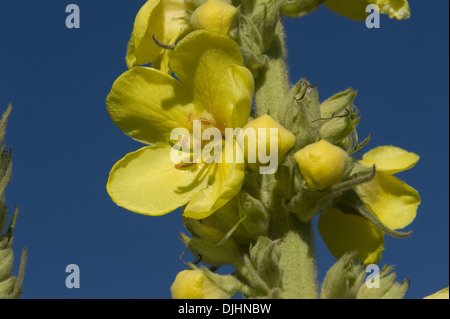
299, 280
298, 263
273, 84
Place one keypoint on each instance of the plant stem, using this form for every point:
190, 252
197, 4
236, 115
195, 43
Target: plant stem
299, 279
273, 84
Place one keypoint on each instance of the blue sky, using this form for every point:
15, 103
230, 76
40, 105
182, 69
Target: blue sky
64, 143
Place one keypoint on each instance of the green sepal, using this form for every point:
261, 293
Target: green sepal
337, 103
389, 288
289, 178
260, 269
251, 43
266, 15
346, 279
300, 114
343, 279
243, 219
207, 243
265, 256
309, 202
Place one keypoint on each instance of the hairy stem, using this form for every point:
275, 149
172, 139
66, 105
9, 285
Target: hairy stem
273, 84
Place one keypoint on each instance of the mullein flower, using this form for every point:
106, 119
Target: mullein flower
387, 198
343, 232
356, 9
146, 104
194, 284
322, 164
215, 16
157, 20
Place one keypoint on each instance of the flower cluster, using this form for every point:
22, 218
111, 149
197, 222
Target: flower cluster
218, 65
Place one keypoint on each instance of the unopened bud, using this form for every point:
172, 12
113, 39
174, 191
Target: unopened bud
215, 16
194, 284
322, 164
266, 143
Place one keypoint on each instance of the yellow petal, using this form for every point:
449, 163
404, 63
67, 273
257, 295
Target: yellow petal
390, 159
441, 294
162, 18
211, 66
225, 182
147, 182
147, 105
215, 16
193, 284
391, 200
343, 232
352, 9
398, 9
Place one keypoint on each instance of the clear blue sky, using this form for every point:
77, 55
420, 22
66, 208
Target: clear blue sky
64, 142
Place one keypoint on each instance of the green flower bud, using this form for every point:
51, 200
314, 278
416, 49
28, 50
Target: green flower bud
244, 219
337, 103
208, 243
299, 8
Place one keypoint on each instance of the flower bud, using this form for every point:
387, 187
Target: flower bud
322, 164
299, 8
264, 136
215, 16
193, 284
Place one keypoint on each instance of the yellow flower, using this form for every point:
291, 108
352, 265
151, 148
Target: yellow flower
164, 20
215, 16
356, 9
441, 294
193, 284
388, 198
213, 88
343, 232
285, 141
321, 164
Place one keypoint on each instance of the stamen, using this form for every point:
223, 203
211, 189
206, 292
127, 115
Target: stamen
161, 44
184, 165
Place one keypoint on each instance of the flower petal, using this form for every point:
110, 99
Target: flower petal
398, 9
211, 66
147, 105
391, 200
441, 294
352, 9
390, 159
225, 182
162, 18
147, 182
343, 232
